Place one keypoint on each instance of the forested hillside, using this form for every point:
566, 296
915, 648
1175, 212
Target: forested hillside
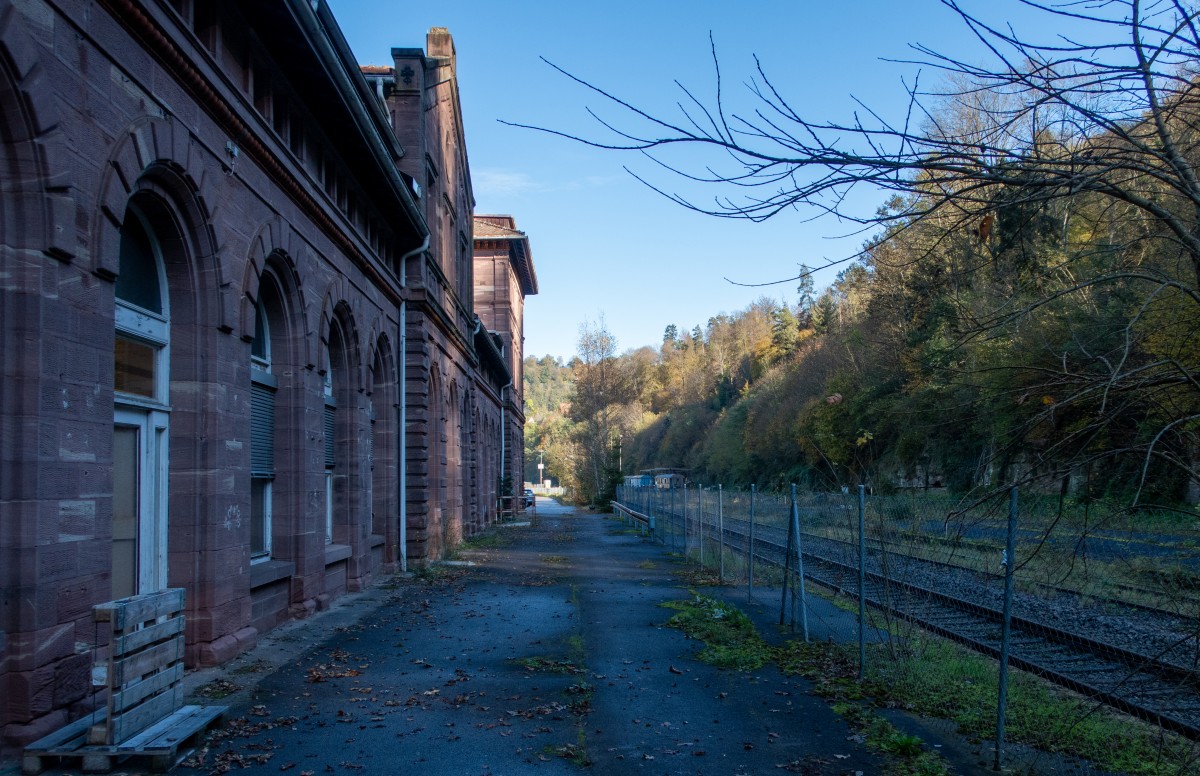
1050, 350
1025, 312
547, 397
941, 359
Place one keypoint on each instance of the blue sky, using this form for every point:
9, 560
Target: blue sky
603, 244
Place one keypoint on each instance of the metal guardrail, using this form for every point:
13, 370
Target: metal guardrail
634, 517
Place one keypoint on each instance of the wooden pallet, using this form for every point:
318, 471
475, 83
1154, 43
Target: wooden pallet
145, 665
144, 714
161, 745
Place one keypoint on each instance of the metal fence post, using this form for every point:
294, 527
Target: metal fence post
671, 514
750, 551
1010, 563
862, 582
700, 519
656, 509
721, 531
649, 511
787, 567
651, 506
799, 567
683, 498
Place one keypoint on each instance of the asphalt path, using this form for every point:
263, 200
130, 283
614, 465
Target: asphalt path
547, 654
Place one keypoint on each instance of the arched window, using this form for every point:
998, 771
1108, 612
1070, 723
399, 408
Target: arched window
263, 386
141, 316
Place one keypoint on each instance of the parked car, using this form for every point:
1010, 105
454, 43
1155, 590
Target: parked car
529, 498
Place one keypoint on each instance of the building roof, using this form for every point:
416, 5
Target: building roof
503, 227
486, 226
376, 69
305, 38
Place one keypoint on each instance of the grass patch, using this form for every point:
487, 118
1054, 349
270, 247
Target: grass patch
732, 641
257, 667
488, 540
436, 574
835, 677
698, 576
575, 753
730, 638
581, 698
940, 678
548, 665
647, 564
937, 678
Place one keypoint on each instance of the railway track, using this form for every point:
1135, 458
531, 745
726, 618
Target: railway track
900, 549
1157, 690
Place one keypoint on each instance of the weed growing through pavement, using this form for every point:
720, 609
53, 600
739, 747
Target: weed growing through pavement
492, 539
730, 639
548, 665
579, 694
699, 576
435, 574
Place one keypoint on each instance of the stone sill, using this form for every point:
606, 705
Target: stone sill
336, 552
374, 540
267, 571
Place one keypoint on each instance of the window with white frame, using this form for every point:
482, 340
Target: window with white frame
330, 452
263, 386
140, 354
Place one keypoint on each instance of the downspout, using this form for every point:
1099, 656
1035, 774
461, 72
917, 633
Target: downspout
503, 434
402, 435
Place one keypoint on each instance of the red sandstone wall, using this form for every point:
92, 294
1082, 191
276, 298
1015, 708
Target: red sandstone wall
91, 120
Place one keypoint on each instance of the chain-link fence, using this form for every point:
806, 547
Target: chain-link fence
941, 592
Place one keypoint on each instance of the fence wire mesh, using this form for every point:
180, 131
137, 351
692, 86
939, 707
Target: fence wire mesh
1104, 609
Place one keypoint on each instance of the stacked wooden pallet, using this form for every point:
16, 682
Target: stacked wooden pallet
144, 715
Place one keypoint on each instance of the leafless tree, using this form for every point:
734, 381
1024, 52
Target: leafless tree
597, 382
1052, 119
1107, 115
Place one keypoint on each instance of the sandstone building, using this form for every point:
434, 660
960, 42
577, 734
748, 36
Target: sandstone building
244, 350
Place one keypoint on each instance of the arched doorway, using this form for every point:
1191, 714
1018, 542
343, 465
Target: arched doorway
141, 410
